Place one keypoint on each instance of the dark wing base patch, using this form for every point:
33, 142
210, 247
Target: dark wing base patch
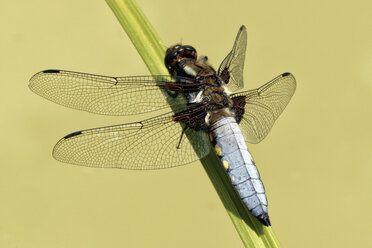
256, 110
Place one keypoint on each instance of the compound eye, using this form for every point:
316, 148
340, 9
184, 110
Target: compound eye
189, 48
173, 48
189, 51
170, 57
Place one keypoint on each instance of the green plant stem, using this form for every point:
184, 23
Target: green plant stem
152, 51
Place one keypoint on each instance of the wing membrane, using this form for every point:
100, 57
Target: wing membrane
149, 144
102, 94
264, 105
233, 64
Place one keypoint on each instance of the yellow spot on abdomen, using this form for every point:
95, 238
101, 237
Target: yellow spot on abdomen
225, 164
232, 179
218, 150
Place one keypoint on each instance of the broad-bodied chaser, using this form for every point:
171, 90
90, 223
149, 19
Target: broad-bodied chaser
203, 109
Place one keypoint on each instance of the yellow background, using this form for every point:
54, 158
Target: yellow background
316, 163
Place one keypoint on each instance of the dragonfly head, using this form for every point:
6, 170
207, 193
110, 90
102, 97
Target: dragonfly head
178, 55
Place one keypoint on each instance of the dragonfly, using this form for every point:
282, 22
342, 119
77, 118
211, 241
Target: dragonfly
206, 107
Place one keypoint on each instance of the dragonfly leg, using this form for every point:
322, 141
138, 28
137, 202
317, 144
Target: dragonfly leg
183, 132
173, 94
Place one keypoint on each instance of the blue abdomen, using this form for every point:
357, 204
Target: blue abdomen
237, 161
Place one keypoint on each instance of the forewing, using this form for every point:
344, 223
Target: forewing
263, 106
233, 65
149, 144
102, 94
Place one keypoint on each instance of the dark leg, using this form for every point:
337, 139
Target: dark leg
173, 94
183, 132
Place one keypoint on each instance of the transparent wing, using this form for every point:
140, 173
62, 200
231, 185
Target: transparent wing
232, 66
149, 144
262, 106
102, 94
